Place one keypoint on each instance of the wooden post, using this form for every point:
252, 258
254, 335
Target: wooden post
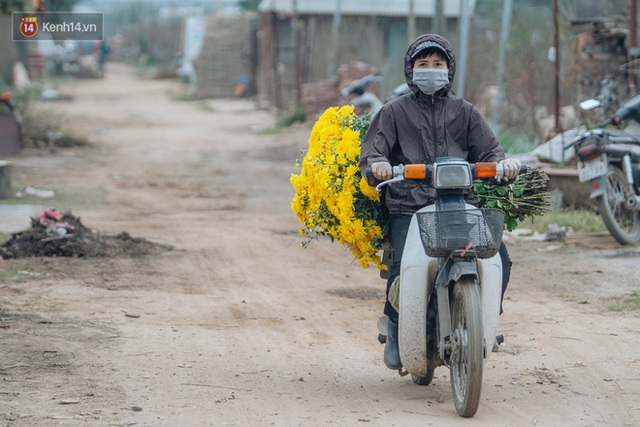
411, 23
632, 43
5, 180
556, 86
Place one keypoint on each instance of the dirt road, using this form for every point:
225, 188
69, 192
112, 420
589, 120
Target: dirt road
240, 326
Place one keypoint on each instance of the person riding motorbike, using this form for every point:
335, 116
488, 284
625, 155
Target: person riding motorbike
427, 123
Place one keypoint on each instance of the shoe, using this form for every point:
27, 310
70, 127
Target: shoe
391, 352
496, 344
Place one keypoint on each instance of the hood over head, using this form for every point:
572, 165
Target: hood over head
426, 41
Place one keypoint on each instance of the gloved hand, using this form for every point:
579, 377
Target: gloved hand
511, 168
382, 170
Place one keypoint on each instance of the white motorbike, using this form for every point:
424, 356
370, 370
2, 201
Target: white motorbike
450, 280
364, 101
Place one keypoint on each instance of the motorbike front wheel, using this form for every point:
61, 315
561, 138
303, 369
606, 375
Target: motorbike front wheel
622, 223
467, 345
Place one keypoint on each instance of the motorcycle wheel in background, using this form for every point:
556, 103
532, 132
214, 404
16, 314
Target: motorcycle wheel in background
622, 223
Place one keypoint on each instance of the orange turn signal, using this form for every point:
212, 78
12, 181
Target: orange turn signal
485, 170
417, 171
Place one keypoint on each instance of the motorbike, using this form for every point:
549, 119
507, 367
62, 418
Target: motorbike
450, 280
364, 101
609, 158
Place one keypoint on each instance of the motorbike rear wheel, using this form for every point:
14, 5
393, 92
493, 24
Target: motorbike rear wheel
467, 347
622, 223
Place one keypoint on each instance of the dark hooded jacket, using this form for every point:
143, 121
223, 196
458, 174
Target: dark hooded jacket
419, 128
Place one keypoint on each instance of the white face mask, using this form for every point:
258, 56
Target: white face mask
430, 80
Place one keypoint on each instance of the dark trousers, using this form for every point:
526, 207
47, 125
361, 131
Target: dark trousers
398, 227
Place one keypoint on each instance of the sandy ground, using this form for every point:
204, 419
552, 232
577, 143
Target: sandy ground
239, 325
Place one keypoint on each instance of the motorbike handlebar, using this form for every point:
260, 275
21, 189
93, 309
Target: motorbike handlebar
480, 170
397, 171
606, 122
359, 86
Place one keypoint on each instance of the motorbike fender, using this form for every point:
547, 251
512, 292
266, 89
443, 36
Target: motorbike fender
598, 186
458, 270
451, 273
417, 276
490, 271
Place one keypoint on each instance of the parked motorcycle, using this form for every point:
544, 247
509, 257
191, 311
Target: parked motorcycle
365, 102
609, 158
450, 280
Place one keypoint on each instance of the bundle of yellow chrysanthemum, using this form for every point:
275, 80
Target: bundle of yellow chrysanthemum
332, 198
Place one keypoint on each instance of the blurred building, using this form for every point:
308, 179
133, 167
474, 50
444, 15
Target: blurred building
304, 42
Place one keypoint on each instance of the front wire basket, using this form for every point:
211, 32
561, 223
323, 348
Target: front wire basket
478, 231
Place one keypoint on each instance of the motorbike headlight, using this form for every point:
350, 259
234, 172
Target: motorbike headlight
452, 175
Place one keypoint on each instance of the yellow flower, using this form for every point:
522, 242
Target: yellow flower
332, 198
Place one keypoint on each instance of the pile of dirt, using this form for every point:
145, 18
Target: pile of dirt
65, 236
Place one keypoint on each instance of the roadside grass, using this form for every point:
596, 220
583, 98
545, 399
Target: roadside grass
12, 275
182, 92
42, 126
579, 220
205, 106
513, 142
622, 303
296, 114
